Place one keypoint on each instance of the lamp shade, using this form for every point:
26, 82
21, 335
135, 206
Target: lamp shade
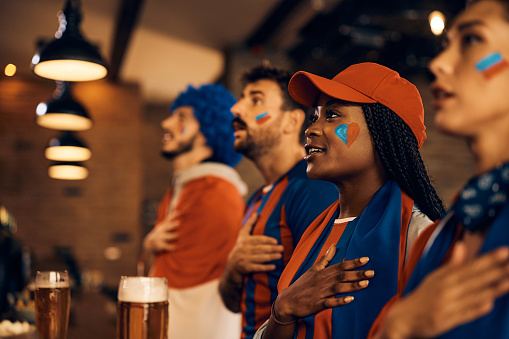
69, 57
67, 148
63, 113
66, 170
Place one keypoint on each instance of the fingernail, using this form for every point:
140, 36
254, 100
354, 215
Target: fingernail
369, 274
348, 299
363, 283
330, 248
364, 260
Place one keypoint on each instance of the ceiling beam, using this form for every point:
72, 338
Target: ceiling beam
272, 23
127, 17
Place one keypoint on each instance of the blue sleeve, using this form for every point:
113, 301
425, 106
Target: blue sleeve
307, 200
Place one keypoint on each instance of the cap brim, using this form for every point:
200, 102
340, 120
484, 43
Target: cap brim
305, 88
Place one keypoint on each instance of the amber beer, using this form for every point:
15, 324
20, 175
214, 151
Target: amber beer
52, 303
142, 311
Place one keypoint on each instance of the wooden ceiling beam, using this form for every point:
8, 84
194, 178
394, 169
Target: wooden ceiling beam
272, 23
127, 17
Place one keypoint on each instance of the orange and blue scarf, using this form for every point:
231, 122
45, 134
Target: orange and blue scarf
481, 204
380, 233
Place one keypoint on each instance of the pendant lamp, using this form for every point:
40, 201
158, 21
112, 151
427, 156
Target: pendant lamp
69, 57
67, 148
63, 113
7, 221
68, 170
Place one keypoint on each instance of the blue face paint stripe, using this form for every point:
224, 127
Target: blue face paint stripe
262, 115
341, 131
488, 61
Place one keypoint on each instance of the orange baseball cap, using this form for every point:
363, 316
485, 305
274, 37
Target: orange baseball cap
365, 83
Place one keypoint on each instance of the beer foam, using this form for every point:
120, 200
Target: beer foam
52, 280
8, 328
142, 289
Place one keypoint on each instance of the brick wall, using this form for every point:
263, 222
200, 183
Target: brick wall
87, 216
447, 158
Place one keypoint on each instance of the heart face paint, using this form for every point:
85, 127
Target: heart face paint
348, 133
262, 118
491, 65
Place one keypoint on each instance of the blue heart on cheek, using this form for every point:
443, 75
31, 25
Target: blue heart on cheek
341, 132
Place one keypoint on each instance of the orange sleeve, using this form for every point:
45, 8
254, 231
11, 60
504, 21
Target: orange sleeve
209, 211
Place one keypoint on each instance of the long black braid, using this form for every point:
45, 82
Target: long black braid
397, 148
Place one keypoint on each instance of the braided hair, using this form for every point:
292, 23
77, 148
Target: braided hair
397, 148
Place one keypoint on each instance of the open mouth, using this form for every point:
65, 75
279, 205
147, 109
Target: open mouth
238, 124
167, 136
440, 96
312, 150
439, 93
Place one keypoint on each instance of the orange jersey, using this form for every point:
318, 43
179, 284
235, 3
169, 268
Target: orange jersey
209, 209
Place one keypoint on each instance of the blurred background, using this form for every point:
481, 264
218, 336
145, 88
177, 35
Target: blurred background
154, 49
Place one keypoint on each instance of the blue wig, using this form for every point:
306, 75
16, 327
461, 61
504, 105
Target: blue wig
211, 104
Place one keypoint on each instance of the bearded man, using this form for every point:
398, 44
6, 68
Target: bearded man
200, 215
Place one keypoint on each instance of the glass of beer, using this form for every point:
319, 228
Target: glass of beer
142, 310
52, 304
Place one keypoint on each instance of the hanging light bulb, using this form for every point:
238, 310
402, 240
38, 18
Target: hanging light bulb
67, 170
67, 148
63, 113
7, 221
69, 57
436, 22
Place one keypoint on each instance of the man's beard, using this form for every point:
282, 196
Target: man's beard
183, 147
254, 147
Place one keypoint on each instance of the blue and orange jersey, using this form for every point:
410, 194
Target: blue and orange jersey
432, 249
285, 211
379, 233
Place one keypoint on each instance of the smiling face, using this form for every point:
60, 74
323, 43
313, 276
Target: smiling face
257, 121
180, 131
339, 146
470, 90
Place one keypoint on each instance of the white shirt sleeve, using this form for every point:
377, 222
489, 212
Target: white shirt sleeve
261, 330
418, 223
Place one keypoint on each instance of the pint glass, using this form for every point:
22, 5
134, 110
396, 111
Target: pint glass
52, 303
142, 310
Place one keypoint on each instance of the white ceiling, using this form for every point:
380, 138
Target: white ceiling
175, 43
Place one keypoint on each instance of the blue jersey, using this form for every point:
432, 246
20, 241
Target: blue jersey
285, 211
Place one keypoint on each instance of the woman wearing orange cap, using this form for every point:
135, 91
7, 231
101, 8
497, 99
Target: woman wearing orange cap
365, 137
457, 278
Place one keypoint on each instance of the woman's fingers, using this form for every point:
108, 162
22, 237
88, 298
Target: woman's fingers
466, 279
326, 258
353, 264
334, 302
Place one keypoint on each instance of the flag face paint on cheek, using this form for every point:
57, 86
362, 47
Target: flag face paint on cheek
262, 118
491, 65
348, 133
